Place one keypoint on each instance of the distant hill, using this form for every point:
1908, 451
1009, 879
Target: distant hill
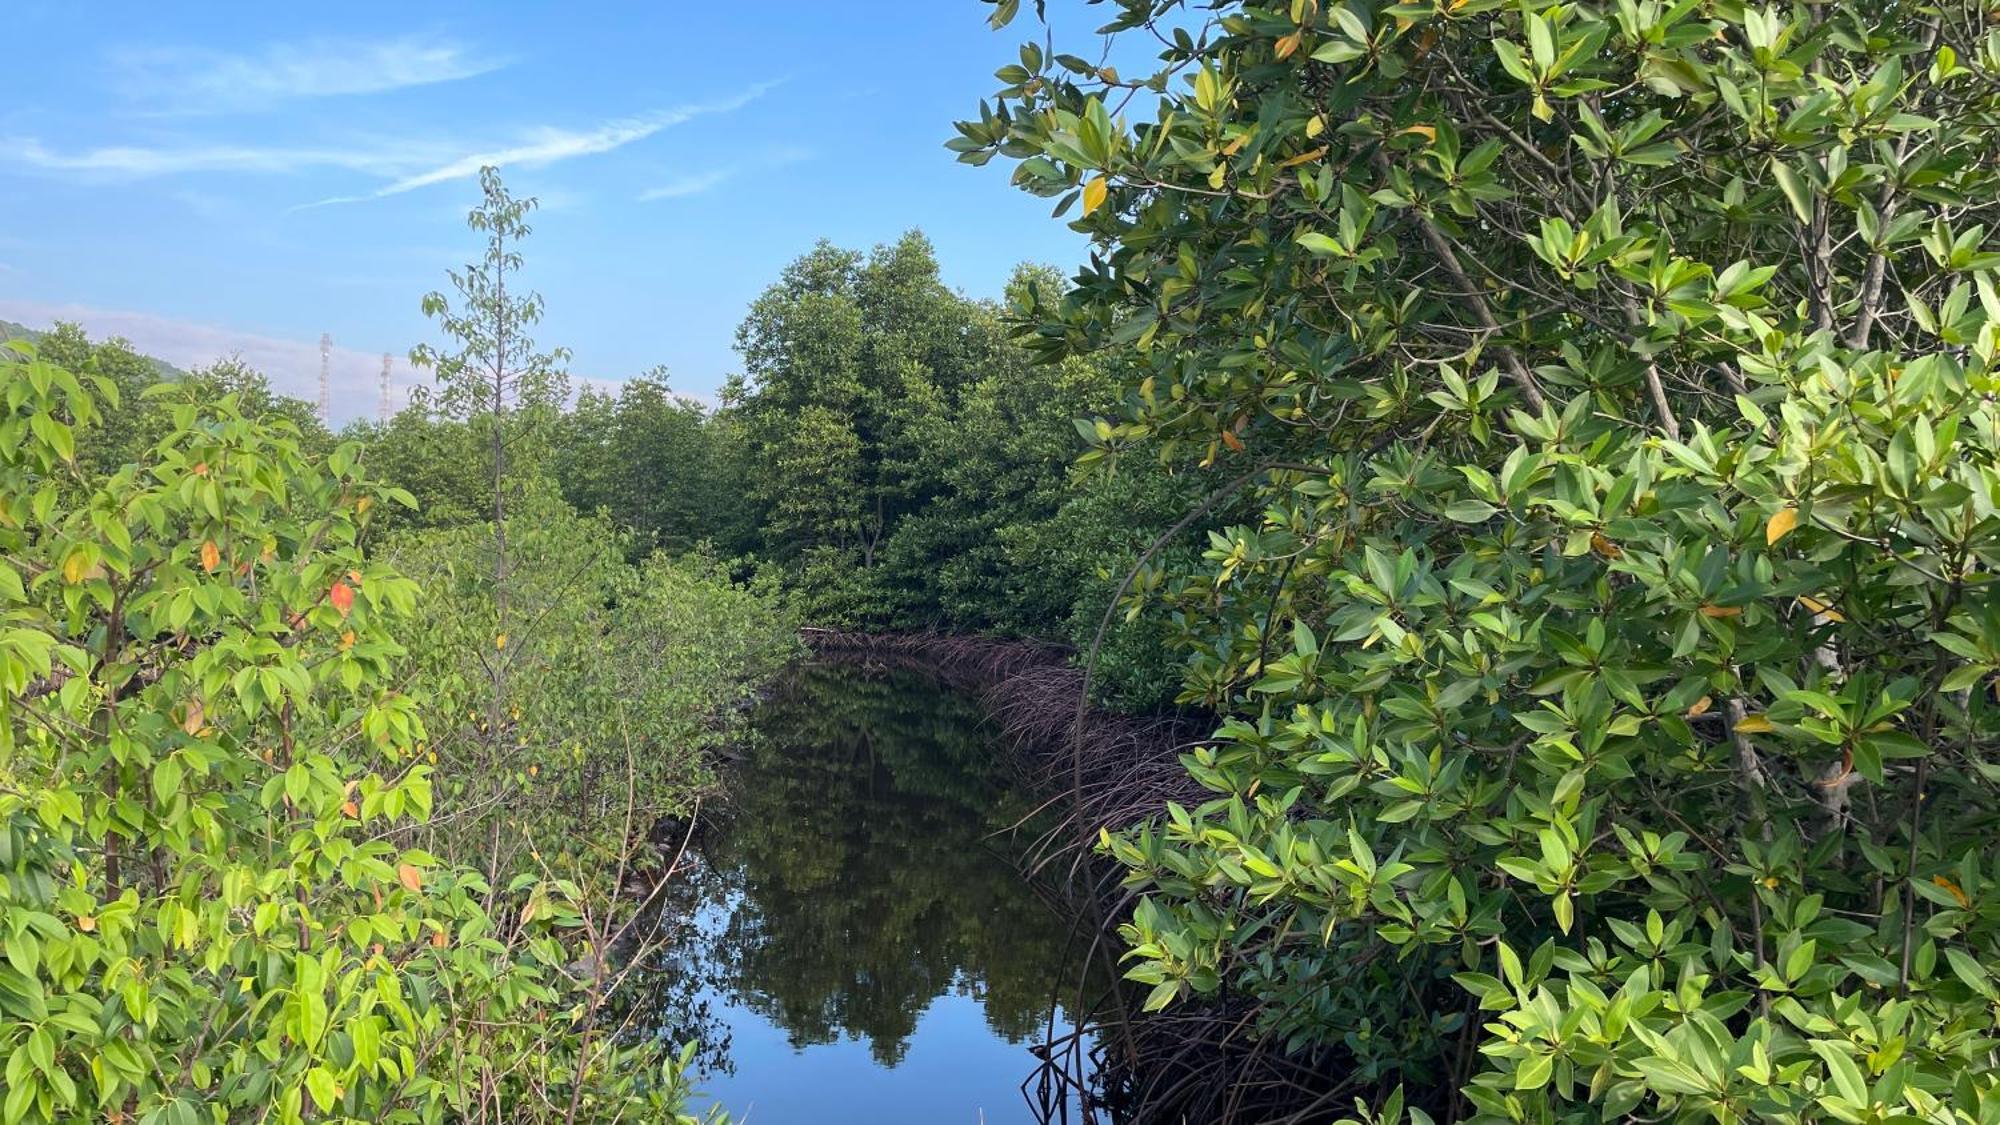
12, 331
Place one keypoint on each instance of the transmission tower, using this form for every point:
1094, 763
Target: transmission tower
384, 408
325, 364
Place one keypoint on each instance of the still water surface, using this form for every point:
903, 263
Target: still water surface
857, 943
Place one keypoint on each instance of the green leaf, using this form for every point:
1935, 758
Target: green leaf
1846, 1076
1470, 511
324, 1088
1534, 1073
1794, 188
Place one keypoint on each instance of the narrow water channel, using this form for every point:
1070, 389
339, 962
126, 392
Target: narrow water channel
857, 940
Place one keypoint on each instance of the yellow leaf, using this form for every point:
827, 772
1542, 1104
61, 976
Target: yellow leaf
191, 722
1605, 546
1755, 724
1094, 193
1289, 44
1700, 707
411, 878
86, 922
76, 567
1315, 126
362, 505
1780, 525
500, 641
1822, 609
1427, 132
1722, 611
1304, 158
1235, 146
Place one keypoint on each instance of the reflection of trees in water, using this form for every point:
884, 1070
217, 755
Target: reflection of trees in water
853, 877
671, 992
869, 886
856, 874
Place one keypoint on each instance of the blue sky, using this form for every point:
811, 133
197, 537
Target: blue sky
216, 177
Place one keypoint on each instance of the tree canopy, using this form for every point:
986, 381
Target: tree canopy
1606, 667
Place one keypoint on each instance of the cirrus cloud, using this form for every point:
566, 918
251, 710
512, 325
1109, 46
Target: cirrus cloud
175, 80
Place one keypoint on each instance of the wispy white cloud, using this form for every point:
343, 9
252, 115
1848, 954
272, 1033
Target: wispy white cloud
199, 80
144, 161
408, 165
546, 146
695, 183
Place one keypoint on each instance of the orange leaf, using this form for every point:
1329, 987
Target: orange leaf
1700, 707
438, 940
1722, 611
349, 808
1289, 44
342, 597
210, 557
411, 878
201, 468
347, 640
1780, 525
86, 922
191, 722
1956, 892
1605, 546
1232, 441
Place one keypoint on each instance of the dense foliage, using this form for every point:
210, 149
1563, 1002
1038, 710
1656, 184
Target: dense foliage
298, 821
211, 765
889, 457
908, 464
1610, 667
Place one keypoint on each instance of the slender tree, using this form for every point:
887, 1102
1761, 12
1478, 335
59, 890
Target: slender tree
495, 381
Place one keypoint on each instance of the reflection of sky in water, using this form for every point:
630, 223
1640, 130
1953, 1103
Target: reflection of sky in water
857, 948
955, 1070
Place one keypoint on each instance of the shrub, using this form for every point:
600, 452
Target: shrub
1611, 667
208, 757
